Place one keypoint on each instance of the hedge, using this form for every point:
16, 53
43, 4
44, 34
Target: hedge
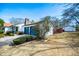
23, 39
9, 33
1, 31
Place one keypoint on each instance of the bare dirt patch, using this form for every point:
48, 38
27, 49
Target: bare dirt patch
55, 45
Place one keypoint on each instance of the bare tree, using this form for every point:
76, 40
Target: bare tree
43, 26
72, 13
16, 21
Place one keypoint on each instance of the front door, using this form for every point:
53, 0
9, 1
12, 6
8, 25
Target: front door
32, 30
26, 30
16, 29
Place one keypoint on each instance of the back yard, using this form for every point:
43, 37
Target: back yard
66, 43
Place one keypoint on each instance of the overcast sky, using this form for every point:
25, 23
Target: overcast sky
33, 11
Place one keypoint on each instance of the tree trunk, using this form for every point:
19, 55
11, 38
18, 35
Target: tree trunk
76, 20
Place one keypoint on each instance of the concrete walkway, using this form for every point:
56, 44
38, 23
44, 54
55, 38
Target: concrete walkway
7, 40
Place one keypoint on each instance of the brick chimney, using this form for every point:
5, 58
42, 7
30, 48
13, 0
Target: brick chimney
26, 21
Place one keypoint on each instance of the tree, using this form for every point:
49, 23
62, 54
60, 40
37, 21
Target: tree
16, 21
59, 23
33, 21
42, 27
1, 23
45, 25
72, 13
56, 23
77, 27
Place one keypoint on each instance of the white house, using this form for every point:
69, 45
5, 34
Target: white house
7, 27
50, 32
29, 28
20, 27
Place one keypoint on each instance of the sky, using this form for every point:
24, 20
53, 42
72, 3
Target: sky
33, 11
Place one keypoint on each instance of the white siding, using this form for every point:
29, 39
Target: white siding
20, 27
50, 32
7, 29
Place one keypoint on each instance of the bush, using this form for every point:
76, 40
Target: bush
23, 39
1, 31
1, 35
19, 33
29, 38
19, 40
9, 33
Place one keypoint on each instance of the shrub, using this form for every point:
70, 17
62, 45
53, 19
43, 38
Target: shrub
1, 31
19, 40
19, 33
29, 38
9, 33
1, 35
23, 39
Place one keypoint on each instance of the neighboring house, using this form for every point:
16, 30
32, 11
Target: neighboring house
60, 30
30, 28
69, 29
7, 27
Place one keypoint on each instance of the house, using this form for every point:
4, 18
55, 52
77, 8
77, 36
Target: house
7, 27
45, 28
20, 27
59, 30
69, 29
30, 28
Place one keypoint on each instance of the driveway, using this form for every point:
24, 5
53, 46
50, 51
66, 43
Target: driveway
7, 40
